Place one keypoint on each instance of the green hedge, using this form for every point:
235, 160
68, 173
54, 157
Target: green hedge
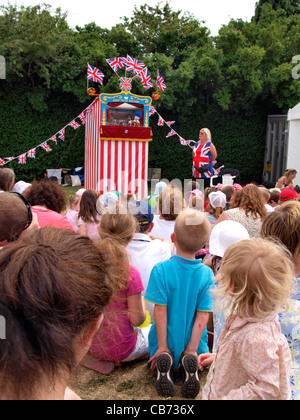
239, 139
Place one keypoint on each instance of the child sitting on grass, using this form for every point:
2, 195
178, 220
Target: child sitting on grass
180, 289
252, 359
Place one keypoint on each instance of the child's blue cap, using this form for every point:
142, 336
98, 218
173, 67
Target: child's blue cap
141, 208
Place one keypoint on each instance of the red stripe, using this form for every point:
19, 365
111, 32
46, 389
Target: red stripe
130, 164
109, 165
136, 165
123, 167
116, 146
143, 169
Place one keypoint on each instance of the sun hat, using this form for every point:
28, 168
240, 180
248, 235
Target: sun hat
20, 186
288, 194
108, 199
159, 186
225, 234
80, 192
141, 208
217, 199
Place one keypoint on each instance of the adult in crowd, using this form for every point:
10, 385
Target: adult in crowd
16, 218
287, 179
7, 179
54, 286
247, 207
48, 200
204, 153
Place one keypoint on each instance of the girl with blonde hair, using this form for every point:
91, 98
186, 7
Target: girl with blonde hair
252, 360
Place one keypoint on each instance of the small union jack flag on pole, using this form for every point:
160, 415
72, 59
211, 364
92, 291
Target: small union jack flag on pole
94, 74
22, 159
152, 110
132, 64
145, 78
61, 134
74, 124
171, 133
31, 153
125, 84
160, 83
115, 63
46, 147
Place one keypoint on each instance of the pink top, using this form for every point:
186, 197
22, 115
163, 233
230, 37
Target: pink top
91, 228
252, 361
117, 338
48, 217
71, 215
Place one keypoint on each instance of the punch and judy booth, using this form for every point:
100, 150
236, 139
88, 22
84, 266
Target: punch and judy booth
117, 137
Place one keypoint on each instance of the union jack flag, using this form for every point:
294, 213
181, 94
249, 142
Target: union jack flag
61, 134
152, 110
94, 74
125, 84
160, 83
53, 138
2, 162
74, 124
171, 133
31, 153
132, 64
8, 159
115, 63
145, 78
46, 147
82, 118
170, 122
89, 110
160, 121
22, 159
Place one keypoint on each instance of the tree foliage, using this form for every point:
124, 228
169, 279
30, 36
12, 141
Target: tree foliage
229, 82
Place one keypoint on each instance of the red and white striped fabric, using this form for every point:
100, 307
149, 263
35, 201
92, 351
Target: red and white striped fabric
114, 165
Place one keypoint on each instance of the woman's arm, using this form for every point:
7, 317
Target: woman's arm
213, 152
136, 309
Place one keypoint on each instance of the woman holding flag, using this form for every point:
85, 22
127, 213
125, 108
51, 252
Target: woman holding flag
204, 153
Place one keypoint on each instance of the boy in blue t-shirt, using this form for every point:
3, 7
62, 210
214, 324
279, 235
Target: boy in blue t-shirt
181, 289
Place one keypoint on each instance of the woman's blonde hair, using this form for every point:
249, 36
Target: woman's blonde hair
208, 133
258, 275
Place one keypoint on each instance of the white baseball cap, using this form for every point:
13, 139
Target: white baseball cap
225, 234
217, 199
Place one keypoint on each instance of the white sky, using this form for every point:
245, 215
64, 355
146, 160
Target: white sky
107, 13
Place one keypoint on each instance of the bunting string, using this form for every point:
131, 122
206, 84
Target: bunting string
162, 122
31, 154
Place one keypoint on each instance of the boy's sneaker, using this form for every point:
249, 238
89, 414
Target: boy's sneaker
164, 384
191, 384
